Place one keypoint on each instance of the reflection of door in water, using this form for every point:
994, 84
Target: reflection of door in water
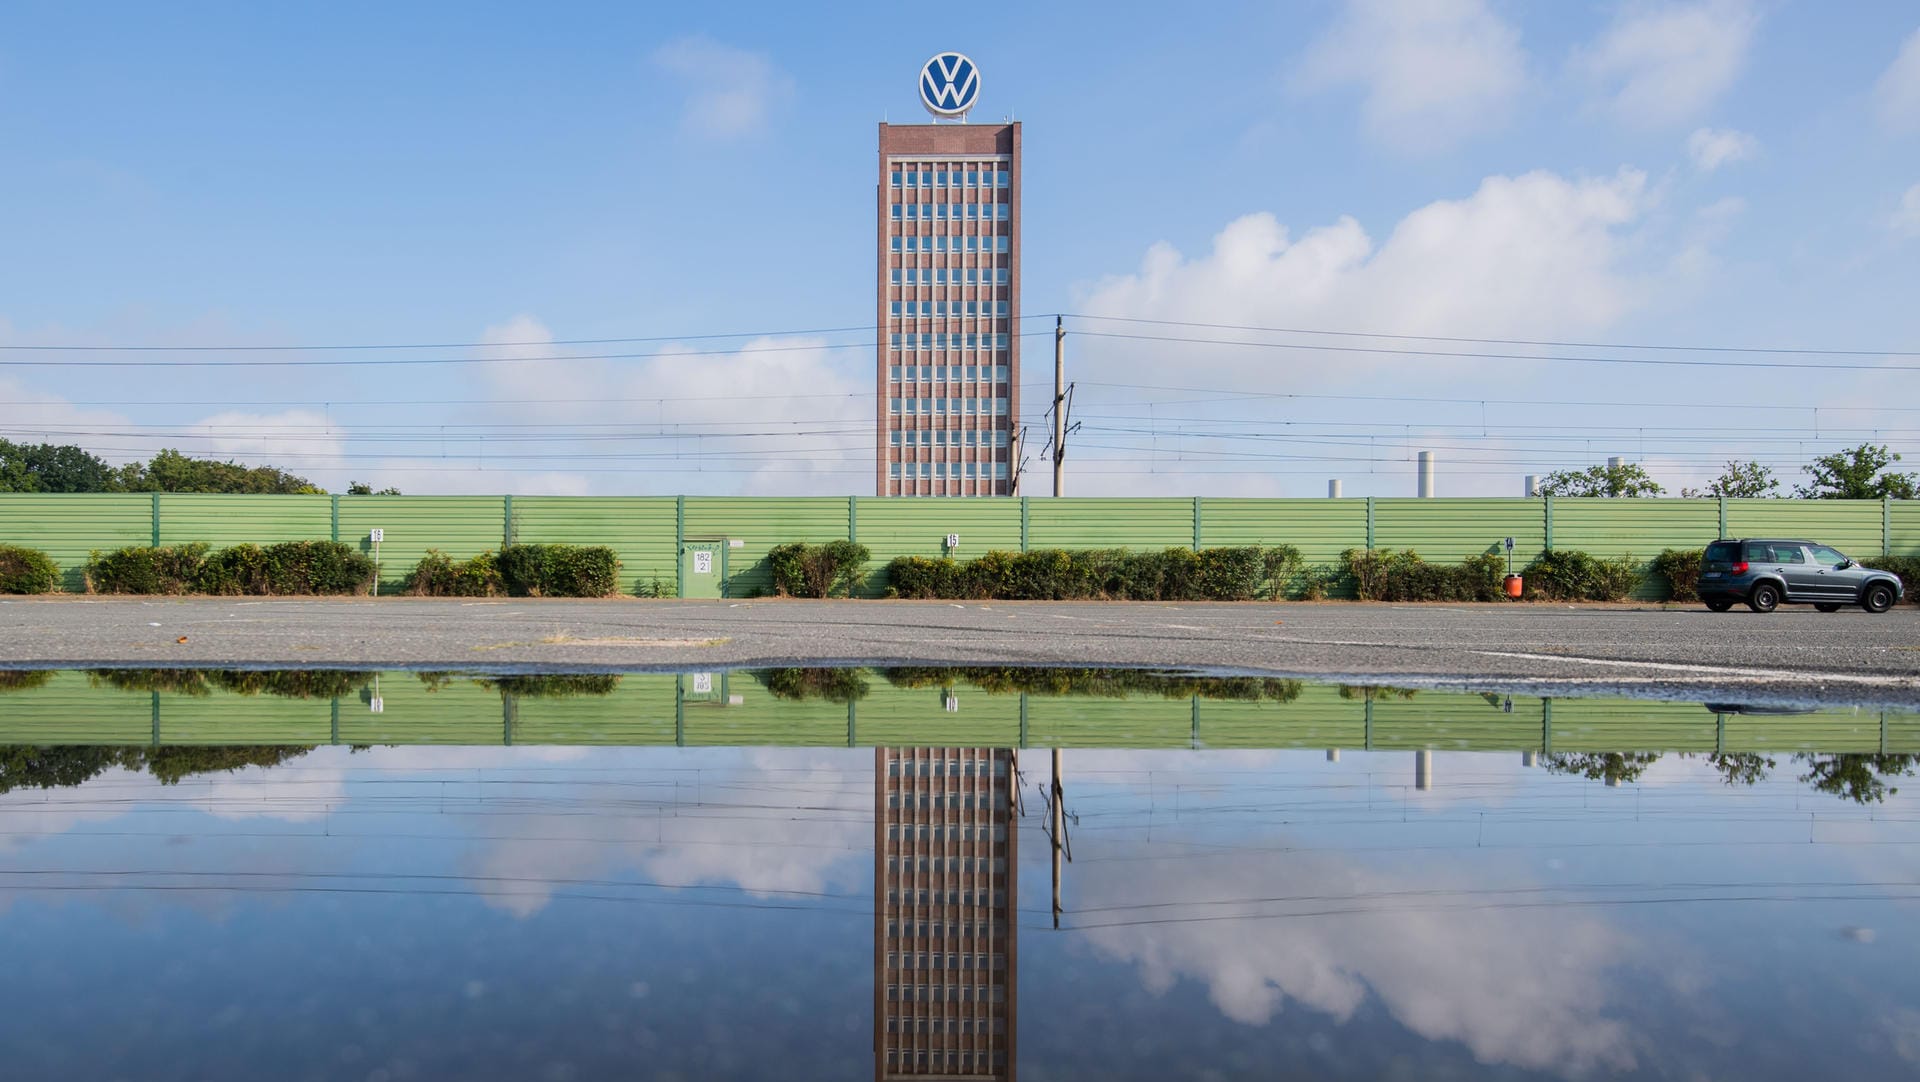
700, 569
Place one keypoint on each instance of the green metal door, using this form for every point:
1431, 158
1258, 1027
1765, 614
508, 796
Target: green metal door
702, 568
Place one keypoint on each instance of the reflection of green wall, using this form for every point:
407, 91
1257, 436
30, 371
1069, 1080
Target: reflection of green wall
644, 709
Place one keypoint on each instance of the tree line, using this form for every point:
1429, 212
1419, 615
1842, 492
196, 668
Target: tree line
48, 467
1858, 473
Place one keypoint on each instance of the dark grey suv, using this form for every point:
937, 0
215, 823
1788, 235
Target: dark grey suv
1763, 572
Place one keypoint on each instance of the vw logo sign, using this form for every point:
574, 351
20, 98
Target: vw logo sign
949, 84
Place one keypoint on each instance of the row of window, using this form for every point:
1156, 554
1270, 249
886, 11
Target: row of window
944, 340
969, 1061
953, 407
944, 438
946, 864
971, 242
949, 212
930, 960
957, 276
946, 929
963, 1025
944, 309
948, 768
940, 833
941, 373
947, 472
945, 993
951, 178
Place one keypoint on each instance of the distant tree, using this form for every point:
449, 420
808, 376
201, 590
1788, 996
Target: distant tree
30, 766
1626, 479
1743, 480
1741, 767
51, 467
171, 471
1859, 778
361, 488
1603, 766
1856, 474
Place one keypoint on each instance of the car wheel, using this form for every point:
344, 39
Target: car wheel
1878, 598
1764, 598
1719, 604
1826, 606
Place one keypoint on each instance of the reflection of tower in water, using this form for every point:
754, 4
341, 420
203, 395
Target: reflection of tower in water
945, 867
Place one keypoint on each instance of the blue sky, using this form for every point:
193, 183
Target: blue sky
1729, 172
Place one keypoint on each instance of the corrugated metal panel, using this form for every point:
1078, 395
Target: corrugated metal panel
640, 529
1904, 518
1852, 526
919, 526
1448, 531
638, 711
1825, 731
460, 526
761, 523
762, 720
1903, 733
1454, 723
1318, 719
223, 520
1083, 522
918, 717
1636, 527
1077, 721
68, 527
1623, 725
68, 709
227, 718
414, 711
1320, 529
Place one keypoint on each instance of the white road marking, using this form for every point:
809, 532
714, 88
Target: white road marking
1771, 675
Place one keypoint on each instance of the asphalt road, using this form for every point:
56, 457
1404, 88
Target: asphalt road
1794, 654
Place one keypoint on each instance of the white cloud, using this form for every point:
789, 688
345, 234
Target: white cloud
1711, 148
1664, 64
1906, 219
730, 92
1898, 90
1431, 72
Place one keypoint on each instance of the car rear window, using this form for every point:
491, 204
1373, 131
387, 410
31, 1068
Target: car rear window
1723, 552
1774, 553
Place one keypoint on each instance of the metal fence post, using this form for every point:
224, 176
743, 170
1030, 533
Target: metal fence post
1886, 525
1549, 504
853, 518
679, 540
1196, 524
1369, 523
156, 520
1723, 516
1023, 524
336, 525
506, 521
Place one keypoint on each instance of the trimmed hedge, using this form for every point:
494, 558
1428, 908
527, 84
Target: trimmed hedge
294, 567
1681, 570
26, 571
519, 571
1571, 575
1387, 575
1174, 574
803, 570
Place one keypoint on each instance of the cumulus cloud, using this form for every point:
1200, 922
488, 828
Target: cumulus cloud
1711, 148
1898, 90
1430, 72
1664, 64
1906, 218
730, 92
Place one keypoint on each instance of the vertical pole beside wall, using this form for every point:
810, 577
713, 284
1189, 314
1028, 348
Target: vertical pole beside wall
156, 520
1196, 524
1023, 524
1333, 489
1549, 525
853, 519
679, 539
1369, 523
1723, 516
506, 521
1886, 526
336, 522
1426, 475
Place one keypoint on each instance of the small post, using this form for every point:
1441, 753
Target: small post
1426, 475
1529, 758
1423, 770
1333, 755
1333, 489
1533, 485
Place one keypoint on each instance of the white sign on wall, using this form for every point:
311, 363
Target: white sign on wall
703, 563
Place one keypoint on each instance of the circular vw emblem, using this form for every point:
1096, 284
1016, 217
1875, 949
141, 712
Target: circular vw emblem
949, 83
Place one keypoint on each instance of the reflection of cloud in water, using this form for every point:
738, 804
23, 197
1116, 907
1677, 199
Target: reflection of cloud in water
1525, 987
765, 821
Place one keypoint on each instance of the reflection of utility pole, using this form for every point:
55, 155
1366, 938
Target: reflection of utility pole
1057, 831
1423, 770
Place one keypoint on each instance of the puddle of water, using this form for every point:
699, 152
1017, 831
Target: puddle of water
1060, 874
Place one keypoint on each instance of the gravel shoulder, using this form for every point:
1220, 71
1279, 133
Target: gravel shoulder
1794, 654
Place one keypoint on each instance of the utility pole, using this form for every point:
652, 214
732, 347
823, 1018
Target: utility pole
1057, 812
1059, 400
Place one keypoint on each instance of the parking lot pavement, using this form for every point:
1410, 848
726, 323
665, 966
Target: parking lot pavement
1794, 654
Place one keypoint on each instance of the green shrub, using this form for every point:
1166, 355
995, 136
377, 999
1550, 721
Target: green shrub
923, 579
803, 570
1389, 575
1681, 570
26, 571
1319, 582
1173, 574
138, 569
1907, 568
800, 685
1571, 575
1231, 574
558, 570
289, 568
438, 575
